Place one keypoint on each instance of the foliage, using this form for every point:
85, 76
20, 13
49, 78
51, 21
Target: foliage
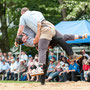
51, 9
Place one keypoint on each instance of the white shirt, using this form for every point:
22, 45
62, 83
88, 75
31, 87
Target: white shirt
5, 67
24, 57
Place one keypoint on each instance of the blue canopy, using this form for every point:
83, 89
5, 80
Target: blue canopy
76, 28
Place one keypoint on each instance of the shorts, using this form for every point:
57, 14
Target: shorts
47, 30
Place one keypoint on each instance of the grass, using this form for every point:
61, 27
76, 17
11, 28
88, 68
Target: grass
10, 81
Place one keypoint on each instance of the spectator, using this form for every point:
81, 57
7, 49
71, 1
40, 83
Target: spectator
24, 56
12, 68
55, 73
1, 54
30, 62
22, 69
64, 67
52, 56
50, 69
83, 52
0, 60
5, 55
73, 71
17, 64
36, 61
5, 68
85, 67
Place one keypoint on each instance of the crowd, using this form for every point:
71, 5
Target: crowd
61, 69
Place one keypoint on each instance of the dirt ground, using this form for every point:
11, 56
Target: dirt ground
48, 86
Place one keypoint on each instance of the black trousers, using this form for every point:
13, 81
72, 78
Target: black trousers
59, 40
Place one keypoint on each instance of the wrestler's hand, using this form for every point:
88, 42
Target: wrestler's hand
39, 25
16, 44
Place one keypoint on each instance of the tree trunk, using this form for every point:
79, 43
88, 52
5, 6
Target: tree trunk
4, 44
63, 12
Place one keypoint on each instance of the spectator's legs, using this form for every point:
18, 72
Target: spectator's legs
73, 76
15, 76
65, 76
12, 76
8, 74
81, 76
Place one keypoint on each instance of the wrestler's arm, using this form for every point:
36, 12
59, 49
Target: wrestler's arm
20, 30
36, 39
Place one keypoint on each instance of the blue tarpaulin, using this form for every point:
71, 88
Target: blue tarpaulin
76, 28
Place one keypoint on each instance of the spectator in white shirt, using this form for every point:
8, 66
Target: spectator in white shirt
5, 68
24, 56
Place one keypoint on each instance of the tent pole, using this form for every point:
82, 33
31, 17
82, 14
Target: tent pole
19, 59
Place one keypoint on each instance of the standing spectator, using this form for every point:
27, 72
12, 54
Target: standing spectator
83, 52
24, 56
52, 55
85, 67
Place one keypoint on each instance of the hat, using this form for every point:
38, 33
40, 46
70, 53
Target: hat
30, 56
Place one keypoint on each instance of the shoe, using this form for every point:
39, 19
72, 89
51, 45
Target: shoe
84, 36
42, 79
37, 72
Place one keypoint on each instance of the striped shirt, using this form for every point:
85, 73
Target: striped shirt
30, 19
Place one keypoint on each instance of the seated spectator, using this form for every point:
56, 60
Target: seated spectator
32, 66
50, 68
22, 69
5, 68
1, 60
55, 72
16, 68
36, 61
64, 67
30, 61
73, 71
12, 68
79, 62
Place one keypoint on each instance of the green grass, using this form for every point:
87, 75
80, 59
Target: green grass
10, 81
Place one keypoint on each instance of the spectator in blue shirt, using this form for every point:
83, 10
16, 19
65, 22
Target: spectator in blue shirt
72, 72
